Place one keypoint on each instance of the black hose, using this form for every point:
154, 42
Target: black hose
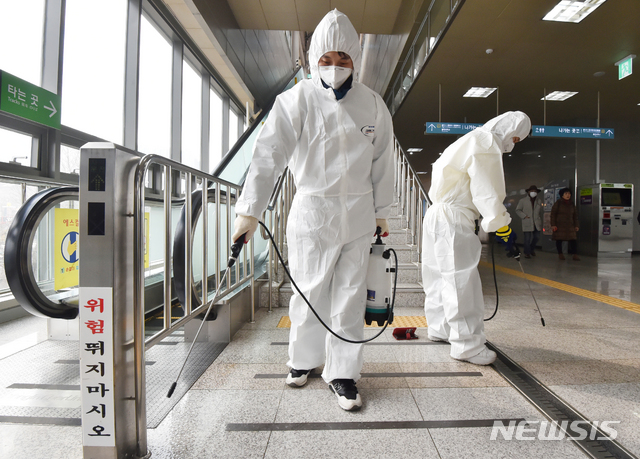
389, 317
495, 281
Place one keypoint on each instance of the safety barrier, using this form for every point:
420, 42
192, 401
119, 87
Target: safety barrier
115, 186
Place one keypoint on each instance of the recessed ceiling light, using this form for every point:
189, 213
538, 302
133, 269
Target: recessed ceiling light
414, 150
559, 95
572, 11
598, 74
479, 92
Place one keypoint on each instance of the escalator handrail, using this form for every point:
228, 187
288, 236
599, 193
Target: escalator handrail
17, 255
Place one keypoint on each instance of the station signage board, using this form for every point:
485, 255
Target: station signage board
449, 128
572, 132
21, 98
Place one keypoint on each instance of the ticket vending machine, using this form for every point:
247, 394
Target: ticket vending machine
606, 217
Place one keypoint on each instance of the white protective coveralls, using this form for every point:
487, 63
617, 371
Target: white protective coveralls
341, 155
467, 181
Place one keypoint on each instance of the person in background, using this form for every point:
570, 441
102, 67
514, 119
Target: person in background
336, 137
564, 224
467, 181
529, 209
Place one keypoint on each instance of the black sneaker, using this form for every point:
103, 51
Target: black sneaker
297, 378
347, 393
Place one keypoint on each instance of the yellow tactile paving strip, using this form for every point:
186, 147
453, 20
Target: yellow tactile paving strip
398, 321
567, 288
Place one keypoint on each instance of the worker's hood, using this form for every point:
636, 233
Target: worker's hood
334, 33
507, 126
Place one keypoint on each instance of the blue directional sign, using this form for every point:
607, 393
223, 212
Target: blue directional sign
450, 128
572, 132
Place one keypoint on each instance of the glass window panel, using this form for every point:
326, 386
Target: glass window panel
154, 91
233, 128
15, 148
69, 159
191, 115
93, 70
21, 35
215, 129
11, 201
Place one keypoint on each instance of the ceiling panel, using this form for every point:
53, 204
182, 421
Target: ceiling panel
249, 14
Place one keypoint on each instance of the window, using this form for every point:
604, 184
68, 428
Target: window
154, 91
191, 115
215, 129
15, 148
93, 70
21, 36
69, 160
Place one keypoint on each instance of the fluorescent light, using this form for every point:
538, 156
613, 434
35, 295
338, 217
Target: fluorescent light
414, 150
559, 95
572, 11
479, 92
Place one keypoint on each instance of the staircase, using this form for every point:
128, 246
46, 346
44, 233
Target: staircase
409, 292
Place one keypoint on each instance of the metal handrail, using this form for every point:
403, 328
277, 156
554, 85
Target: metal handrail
209, 184
412, 197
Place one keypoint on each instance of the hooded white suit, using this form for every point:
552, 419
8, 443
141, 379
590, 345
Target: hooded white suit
341, 155
467, 181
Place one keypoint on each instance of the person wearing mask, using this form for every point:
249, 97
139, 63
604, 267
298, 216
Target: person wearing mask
467, 181
336, 137
529, 209
564, 224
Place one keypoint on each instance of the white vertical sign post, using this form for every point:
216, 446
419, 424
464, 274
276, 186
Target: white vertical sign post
96, 366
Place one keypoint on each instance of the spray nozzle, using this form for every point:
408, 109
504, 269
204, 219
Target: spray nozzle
235, 250
378, 238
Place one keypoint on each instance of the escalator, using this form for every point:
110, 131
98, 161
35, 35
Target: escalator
29, 236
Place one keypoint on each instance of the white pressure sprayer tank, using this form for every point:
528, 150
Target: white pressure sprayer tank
378, 285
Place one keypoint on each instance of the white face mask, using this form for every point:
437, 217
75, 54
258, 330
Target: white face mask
334, 76
533, 194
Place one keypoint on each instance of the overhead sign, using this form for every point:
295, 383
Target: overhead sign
625, 66
21, 98
449, 128
572, 132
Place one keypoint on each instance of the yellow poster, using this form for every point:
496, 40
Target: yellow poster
67, 254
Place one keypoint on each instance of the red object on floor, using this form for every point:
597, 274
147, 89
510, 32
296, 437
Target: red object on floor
405, 333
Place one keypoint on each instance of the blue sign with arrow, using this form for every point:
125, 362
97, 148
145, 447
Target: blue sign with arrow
572, 132
450, 128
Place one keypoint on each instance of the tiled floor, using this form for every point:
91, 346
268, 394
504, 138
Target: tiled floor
587, 354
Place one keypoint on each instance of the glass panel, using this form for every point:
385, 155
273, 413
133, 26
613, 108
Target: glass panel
15, 148
439, 14
238, 166
21, 36
233, 128
154, 91
93, 70
69, 159
215, 129
11, 202
191, 116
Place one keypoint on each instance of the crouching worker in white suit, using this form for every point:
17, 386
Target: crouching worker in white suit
467, 181
336, 137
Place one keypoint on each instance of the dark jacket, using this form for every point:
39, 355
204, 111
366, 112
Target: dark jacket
565, 216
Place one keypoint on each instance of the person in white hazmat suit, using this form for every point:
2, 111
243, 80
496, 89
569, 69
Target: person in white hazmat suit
336, 136
467, 181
